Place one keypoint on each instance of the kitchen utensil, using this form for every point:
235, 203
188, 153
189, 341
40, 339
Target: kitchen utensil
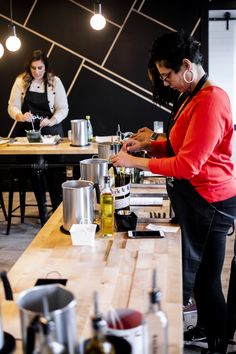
34, 136
78, 200
79, 132
61, 311
94, 170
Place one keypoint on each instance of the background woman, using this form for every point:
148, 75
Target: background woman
38, 91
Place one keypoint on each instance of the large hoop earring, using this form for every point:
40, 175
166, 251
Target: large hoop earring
193, 76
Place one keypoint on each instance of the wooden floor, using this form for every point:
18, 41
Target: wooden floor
12, 246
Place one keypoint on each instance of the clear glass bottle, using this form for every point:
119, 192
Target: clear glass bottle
98, 344
155, 323
107, 208
90, 129
118, 134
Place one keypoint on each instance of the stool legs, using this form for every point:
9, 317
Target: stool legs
38, 183
37, 179
10, 203
3, 206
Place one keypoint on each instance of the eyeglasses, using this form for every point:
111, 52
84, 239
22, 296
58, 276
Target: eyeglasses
163, 77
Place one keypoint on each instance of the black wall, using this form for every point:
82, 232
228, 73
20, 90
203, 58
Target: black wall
104, 72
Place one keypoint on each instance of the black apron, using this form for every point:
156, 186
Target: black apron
37, 104
190, 208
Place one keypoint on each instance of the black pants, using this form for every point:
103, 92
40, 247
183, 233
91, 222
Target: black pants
208, 293
204, 231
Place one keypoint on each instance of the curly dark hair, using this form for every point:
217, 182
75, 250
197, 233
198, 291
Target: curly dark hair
163, 95
171, 48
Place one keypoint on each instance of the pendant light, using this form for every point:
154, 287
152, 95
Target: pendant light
1, 50
97, 21
13, 43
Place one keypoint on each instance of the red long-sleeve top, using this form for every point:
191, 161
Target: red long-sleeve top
202, 139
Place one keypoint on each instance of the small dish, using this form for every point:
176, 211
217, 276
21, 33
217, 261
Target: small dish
34, 136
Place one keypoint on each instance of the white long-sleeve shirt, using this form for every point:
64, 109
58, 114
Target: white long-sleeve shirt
57, 98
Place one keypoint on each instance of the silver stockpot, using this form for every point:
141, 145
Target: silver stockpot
79, 132
94, 170
78, 197
61, 311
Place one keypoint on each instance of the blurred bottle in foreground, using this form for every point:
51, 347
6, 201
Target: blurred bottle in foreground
155, 323
90, 129
98, 344
107, 208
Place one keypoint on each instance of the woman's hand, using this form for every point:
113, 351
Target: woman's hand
26, 117
122, 159
46, 122
132, 145
142, 134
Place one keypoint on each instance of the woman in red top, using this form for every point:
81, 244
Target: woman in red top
201, 183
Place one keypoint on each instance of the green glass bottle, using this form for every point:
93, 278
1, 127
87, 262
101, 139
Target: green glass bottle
98, 344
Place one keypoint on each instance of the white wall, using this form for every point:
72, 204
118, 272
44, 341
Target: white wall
222, 55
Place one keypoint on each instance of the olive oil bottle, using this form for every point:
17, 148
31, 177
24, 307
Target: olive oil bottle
107, 209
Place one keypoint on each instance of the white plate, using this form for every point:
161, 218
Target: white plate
23, 141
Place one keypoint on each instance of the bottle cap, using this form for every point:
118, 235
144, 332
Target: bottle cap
106, 179
155, 296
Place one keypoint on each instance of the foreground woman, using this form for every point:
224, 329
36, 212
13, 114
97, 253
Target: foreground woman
196, 155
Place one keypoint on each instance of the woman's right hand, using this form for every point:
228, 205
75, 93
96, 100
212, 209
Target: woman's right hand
26, 117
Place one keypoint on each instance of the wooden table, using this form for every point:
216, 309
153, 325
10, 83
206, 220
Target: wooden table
62, 148
119, 269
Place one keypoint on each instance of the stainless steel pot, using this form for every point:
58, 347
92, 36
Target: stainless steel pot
94, 170
61, 312
78, 205
79, 132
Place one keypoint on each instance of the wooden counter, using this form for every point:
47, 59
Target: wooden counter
119, 269
62, 148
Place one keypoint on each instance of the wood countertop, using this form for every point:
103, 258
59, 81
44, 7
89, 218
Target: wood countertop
63, 147
120, 269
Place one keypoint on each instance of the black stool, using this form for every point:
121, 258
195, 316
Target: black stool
18, 181
2, 205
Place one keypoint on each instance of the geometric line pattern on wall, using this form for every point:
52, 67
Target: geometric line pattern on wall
116, 58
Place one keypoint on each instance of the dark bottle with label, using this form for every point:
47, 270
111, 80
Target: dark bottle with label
98, 344
122, 178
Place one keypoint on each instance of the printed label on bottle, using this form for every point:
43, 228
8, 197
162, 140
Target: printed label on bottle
122, 203
122, 190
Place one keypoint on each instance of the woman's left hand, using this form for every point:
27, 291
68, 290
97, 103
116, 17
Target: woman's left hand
123, 159
46, 123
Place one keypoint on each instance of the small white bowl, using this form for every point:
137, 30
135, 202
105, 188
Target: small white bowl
83, 234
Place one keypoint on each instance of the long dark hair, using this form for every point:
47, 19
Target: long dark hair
37, 54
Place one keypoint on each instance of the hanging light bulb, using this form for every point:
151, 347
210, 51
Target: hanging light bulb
97, 21
1, 50
13, 43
